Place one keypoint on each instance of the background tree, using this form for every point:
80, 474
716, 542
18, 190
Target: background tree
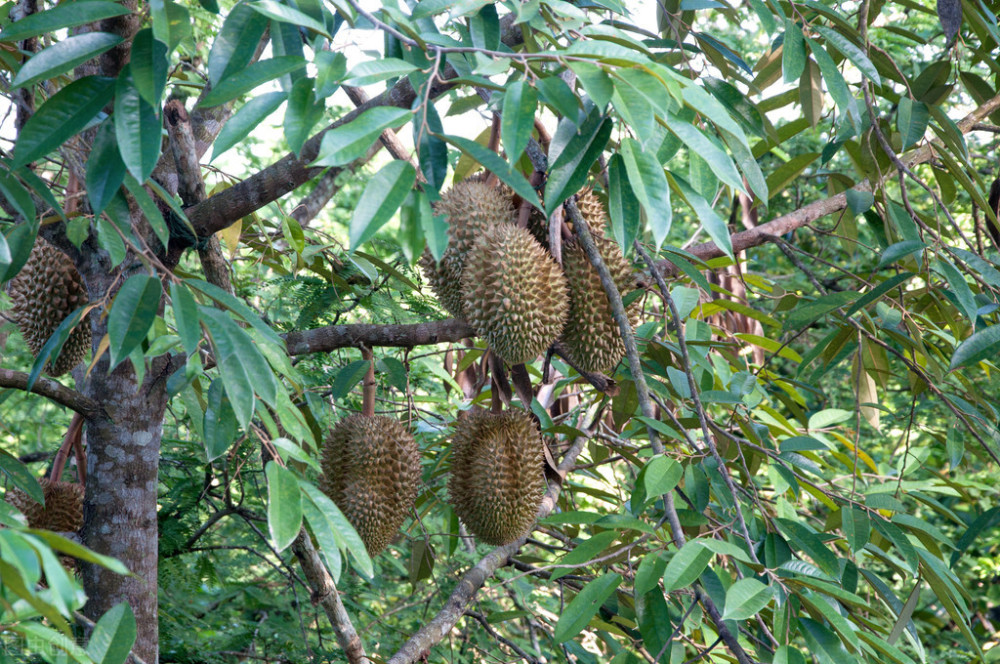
793, 462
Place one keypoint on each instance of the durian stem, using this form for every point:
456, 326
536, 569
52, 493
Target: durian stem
368, 386
72, 434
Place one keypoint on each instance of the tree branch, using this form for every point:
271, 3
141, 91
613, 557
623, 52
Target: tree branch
332, 337
54, 391
438, 627
805, 215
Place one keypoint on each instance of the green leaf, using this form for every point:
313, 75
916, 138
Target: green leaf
499, 166
69, 547
714, 225
132, 313
856, 526
238, 307
836, 84
714, 156
432, 152
349, 538
245, 120
55, 343
746, 598
285, 14
374, 71
912, 119
554, 91
249, 78
66, 15
518, 121
686, 566
979, 346
348, 377
302, 114
327, 539
793, 52
65, 114
149, 208
342, 145
18, 197
959, 287
53, 641
284, 505
149, 64
63, 56
114, 635
623, 206
21, 477
659, 476
105, 168
900, 250
569, 170
219, 426
578, 613
137, 129
648, 181
585, 551
850, 51
595, 82
382, 196
809, 543
236, 44
330, 69
244, 370
186, 317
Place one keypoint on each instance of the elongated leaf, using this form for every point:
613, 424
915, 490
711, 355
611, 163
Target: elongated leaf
132, 314
63, 56
114, 635
374, 71
186, 317
327, 539
105, 168
21, 477
586, 550
715, 157
686, 566
518, 121
711, 221
137, 128
342, 145
302, 114
245, 120
571, 167
65, 114
980, 346
746, 598
809, 543
382, 196
793, 52
432, 152
851, 51
66, 15
578, 613
52, 347
249, 78
18, 197
285, 14
495, 163
912, 120
244, 369
148, 207
236, 44
836, 84
284, 505
219, 425
648, 181
349, 538
149, 65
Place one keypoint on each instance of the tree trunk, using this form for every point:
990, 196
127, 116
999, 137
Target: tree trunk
120, 506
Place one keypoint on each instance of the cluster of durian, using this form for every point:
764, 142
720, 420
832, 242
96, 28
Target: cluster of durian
62, 511
371, 470
502, 279
47, 290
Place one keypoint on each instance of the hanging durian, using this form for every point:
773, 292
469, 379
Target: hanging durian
514, 293
591, 337
63, 509
471, 206
47, 290
371, 470
497, 478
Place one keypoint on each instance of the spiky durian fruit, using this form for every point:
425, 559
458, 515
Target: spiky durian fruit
63, 509
371, 470
593, 212
515, 293
497, 478
591, 336
471, 206
47, 290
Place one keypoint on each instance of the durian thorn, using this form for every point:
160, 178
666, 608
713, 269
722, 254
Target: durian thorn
368, 386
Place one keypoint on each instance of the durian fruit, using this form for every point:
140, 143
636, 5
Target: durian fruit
515, 293
593, 212
63, 510
47, 290
591, 336
471, 206
497, 477
371, 470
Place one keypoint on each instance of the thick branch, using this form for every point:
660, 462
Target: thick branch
810, 213
437, 629
54, 391
332, 337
